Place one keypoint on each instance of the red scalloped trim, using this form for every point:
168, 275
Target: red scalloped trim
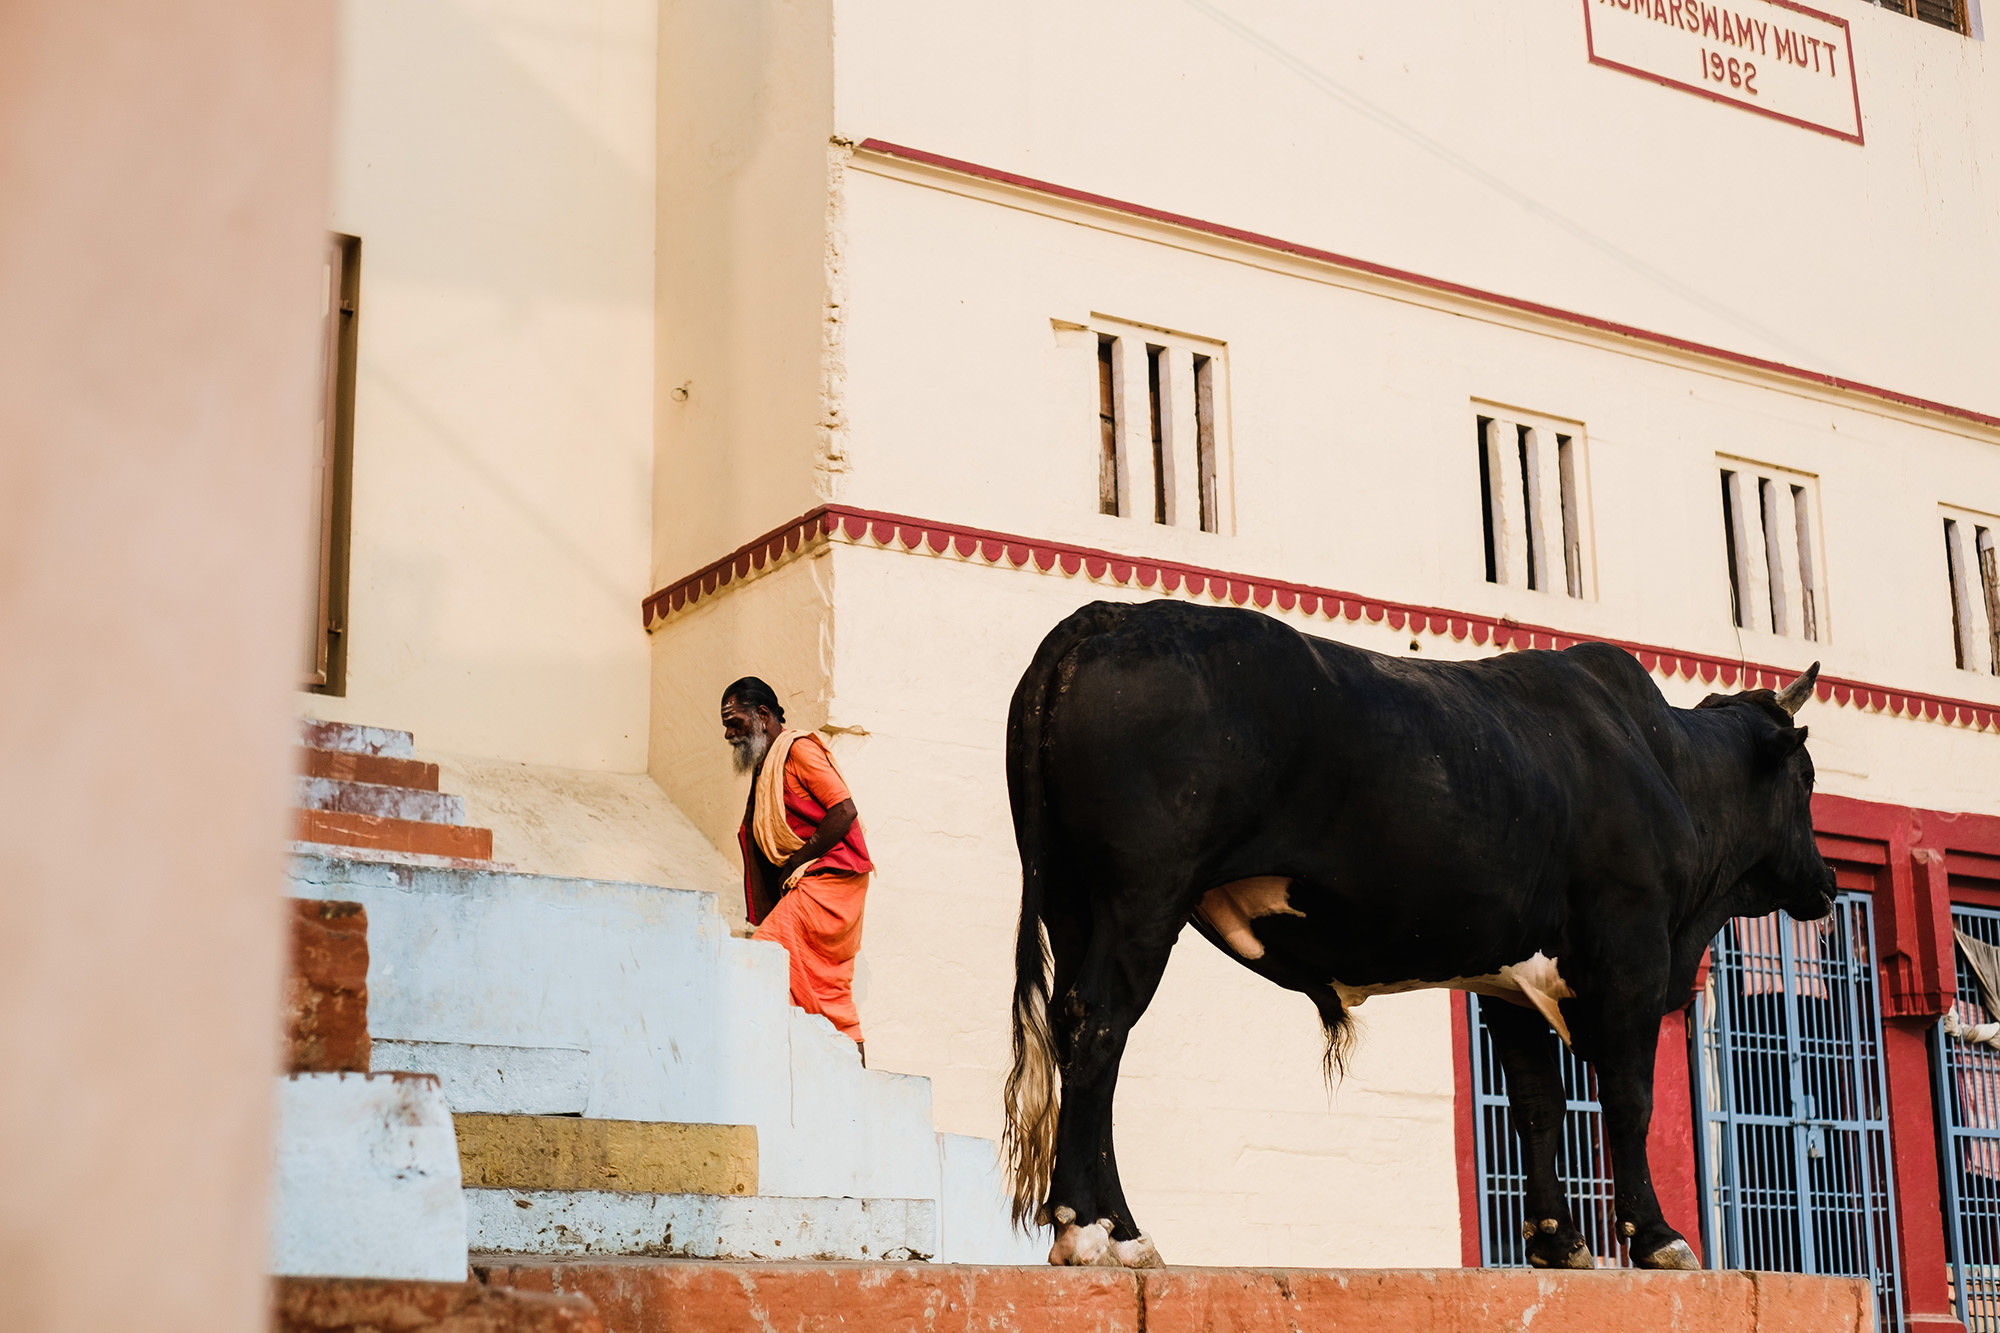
949, 541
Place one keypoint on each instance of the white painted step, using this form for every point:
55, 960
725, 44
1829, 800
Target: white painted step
680, 1021
374, 798
365, 1179
496, 1080
699, 1226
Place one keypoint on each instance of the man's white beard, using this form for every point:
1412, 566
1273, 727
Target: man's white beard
750, 751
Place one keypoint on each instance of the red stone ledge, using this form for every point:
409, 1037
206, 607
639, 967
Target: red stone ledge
678, 1296
900, 532
383, 1305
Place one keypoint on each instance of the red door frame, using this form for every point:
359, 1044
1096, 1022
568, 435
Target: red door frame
1914, 864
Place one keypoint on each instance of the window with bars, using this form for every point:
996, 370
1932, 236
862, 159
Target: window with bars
1770, 534
1792, 1103
1951, 14
1161, 426
1583, 1160
1972, 568
1534, 501
333, 467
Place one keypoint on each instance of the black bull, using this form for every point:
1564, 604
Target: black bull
1341, 821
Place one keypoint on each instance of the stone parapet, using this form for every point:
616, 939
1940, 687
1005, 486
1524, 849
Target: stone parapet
666, 1296
368, 1305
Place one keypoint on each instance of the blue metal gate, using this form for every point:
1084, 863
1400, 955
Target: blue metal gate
1968, 1099
1791, 1102
1583, 1161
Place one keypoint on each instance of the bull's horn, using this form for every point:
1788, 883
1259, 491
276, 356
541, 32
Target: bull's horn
1793, 697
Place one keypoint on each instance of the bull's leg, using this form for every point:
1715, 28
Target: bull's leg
1121, 970
1528, 1052
1624, 1046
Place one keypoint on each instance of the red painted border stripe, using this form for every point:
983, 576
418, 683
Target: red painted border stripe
1418, 280
927, 537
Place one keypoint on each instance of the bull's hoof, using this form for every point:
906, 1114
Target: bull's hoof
1082, 1247
1092, 1247
1675, 1255
1137, 1253
1552, 1244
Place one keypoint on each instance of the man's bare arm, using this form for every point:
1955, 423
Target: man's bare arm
831, 830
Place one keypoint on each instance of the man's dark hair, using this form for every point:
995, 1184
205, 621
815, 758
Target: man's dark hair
754, 693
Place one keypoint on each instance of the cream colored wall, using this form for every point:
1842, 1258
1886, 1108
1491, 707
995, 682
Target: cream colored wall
161, 224
496, 157
748, 316
1353, 434
1477, 143
781, 629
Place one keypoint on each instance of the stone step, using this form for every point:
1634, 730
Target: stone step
383, 857
669, 1295
350, 1305
338, 828
561, 1153
365, 1179
501, 1080
381, 800
346, 766
353, 739
680, 1022
699, 1226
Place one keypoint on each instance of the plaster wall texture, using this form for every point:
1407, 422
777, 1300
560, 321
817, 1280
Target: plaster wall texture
162, 194
496, 158
1480, 145
585, 824
749, 305
365, 1180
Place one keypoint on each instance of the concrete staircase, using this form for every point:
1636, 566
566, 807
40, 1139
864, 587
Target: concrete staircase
624, 1076
364, 788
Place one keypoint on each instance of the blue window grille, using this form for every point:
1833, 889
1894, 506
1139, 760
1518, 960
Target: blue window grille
1583, 1161
1968, 1101
1791, 1102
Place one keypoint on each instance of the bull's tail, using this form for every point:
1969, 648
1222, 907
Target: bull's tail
1033, 1095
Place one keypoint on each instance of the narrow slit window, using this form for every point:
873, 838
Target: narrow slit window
1572, 529
1204, 447
1154, 356
1486, 499
1961, 619
1989, 583
1527, 441
1107, 425
1774, 553
1808, 570
1729, 543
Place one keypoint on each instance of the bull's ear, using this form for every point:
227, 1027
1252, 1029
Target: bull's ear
1779, 746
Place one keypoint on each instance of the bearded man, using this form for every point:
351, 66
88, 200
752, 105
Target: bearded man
805, 862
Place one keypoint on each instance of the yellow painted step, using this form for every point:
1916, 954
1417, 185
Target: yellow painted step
558, 1152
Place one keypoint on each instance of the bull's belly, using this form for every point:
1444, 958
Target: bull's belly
1534, 982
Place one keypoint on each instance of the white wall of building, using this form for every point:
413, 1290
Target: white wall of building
496, 157
1478, 144
1353, 431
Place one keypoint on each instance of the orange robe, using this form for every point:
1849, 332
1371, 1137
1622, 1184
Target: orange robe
819, 920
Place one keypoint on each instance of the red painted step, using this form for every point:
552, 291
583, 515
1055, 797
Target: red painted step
639, 1295
460, 841
382, 770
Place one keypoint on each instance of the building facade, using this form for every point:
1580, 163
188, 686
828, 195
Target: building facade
896, 333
